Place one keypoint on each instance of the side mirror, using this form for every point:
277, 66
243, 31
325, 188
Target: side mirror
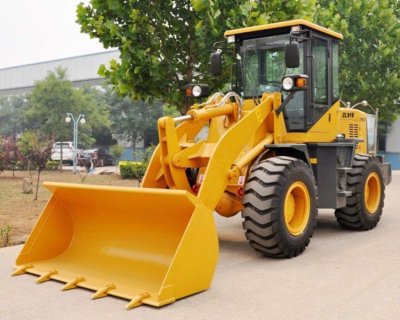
216, 63
292, 55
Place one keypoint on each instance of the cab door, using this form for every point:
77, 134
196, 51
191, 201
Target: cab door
324, 72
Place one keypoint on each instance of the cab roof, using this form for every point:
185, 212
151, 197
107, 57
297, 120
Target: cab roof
283, 24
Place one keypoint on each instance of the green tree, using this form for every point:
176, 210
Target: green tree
134, 121
53, 97
98, 119
166, 44
11, 115
369, 64
24, 145
182, 33
117, 150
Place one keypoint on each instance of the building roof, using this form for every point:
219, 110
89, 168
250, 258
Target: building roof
80, 69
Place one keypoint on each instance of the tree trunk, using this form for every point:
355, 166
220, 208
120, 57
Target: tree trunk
188, 102
37, 184
134, 151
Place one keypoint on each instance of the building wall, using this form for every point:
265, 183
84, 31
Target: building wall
393, 138
81, 70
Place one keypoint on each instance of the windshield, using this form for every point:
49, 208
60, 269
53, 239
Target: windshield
58, 145
263, 65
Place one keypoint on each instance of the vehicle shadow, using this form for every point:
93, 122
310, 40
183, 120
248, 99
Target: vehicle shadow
327, 225
232, 239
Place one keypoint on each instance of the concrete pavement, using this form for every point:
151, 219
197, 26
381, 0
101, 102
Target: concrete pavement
341, 275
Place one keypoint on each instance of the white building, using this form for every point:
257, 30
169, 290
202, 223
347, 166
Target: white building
393, 138
81, 70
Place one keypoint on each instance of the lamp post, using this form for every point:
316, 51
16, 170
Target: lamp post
81, 120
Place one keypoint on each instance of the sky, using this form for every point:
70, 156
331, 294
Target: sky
41, 30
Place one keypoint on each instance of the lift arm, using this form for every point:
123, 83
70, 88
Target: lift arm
177, 150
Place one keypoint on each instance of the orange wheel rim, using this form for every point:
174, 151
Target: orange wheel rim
297, 208
372, 192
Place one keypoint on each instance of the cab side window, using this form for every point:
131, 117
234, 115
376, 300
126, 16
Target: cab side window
335, 71
320, 76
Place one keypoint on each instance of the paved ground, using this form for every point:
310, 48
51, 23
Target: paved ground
342, 275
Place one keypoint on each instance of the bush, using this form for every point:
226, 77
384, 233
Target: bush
5, 234
117, 150
52, 165
15, 165
132, 169
19, 165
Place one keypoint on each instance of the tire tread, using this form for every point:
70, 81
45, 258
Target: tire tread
262, 206
352, 216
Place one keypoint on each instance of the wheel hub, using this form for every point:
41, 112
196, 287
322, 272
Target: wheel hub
297, 208
372, 192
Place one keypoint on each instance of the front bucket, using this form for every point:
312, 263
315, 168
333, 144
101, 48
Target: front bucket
150, 246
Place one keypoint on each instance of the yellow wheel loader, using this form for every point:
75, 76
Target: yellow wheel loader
276, 148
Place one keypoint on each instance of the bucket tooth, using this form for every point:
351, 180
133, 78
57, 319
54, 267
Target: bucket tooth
46, 276
22, 269
137, 300
104, 291
73, 283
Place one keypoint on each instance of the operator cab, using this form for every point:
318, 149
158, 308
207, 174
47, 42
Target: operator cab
262, 65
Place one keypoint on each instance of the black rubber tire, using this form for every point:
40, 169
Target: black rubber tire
263, 212
355, 215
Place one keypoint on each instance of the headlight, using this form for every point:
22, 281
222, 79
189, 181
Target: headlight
287, 83
294, 82
196, 91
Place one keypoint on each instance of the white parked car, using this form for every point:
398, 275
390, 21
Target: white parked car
67, 151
